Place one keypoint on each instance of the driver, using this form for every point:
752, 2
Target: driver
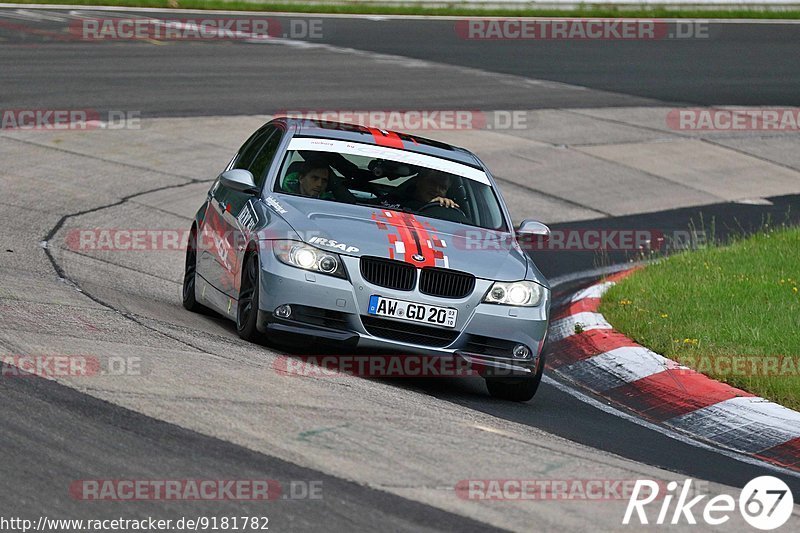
311, 180
429, 186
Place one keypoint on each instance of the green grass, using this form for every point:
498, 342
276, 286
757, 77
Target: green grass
588, 10
706, 306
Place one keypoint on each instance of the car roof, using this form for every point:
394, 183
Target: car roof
362, 134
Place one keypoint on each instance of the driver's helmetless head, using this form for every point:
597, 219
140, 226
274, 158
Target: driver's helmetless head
313, 179
430, 184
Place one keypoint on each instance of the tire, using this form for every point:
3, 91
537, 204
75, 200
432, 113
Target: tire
247, 308
516, 389
190, 275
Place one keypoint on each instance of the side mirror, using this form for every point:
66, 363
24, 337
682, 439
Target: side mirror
532, 235
239, 180
533, 227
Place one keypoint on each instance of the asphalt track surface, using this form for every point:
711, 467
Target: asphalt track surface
736, 64
53, 434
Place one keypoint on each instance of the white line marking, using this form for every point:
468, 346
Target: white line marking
754, 201
16, 16
40, 15
81, 14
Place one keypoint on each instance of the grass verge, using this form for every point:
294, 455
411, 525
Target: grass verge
731, 312
586, 11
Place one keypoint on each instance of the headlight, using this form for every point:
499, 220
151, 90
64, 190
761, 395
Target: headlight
301, 255
519, 293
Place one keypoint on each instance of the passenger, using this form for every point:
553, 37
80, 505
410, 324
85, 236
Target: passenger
310, 180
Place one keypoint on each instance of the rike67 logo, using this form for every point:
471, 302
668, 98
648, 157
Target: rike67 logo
766, 503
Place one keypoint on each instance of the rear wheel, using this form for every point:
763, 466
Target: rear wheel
247, 309
190, 275
516, 389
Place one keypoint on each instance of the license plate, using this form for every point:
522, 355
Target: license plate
413, 312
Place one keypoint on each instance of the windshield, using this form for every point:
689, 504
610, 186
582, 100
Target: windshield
363, 174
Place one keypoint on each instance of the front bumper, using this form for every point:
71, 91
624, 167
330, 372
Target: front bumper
334, 310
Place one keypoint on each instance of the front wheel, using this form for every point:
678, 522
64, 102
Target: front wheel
516, 389
247, 309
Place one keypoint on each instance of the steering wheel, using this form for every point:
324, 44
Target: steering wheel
454, 214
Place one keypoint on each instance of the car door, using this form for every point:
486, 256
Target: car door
231, 213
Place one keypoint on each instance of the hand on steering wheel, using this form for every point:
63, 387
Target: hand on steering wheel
442, 202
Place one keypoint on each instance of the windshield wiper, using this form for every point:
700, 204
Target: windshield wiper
369, 205
391, 207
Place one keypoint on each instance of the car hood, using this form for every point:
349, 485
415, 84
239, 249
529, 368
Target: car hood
424, 242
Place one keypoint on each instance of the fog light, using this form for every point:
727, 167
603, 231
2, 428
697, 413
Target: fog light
521, 351
283, 311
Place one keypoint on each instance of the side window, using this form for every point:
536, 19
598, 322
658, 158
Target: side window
291, 164
262, 161
250, 149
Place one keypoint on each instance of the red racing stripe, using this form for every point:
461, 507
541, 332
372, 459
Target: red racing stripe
672, 393
422, 237
396, 220
418, 238
386, 138
380, 224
